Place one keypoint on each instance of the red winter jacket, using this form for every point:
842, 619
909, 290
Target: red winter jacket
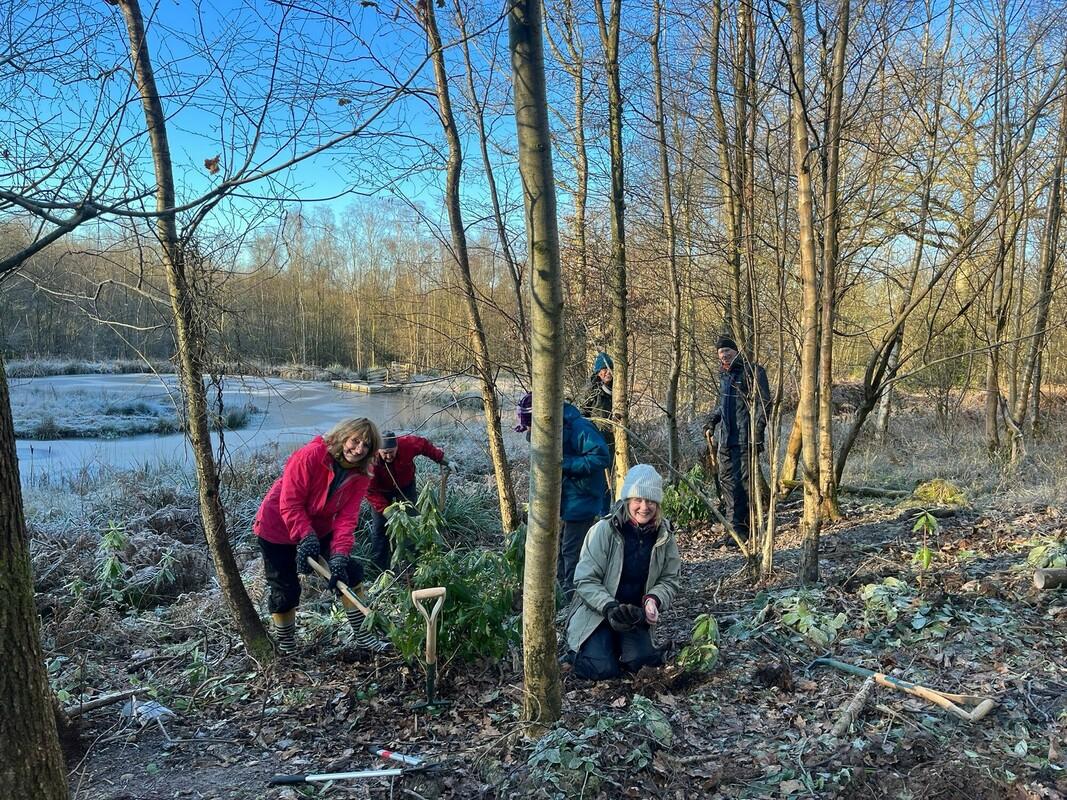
296, 504
389, 479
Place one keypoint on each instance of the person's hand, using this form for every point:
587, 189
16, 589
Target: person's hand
308, 548
452, 466
623, 618
651, 610
338, 569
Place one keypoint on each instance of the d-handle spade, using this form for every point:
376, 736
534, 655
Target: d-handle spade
417, 597
342, 587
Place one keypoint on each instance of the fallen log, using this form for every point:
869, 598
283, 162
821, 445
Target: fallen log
853, 709
99, 702
1050, 578
869, 491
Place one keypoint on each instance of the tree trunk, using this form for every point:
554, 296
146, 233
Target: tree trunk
1046, 268
191, 346
675, 296
831, 215
513, 269
32, 764
542, 701
501, 469
620, 408
730, 181
807, 410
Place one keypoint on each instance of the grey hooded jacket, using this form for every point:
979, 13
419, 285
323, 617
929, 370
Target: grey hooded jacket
596, 578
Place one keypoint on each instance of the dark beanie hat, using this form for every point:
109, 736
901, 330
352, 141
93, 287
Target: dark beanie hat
726, 341
603, 360
388, 440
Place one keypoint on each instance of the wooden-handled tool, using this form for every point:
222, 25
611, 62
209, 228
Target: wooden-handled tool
946, 700
417, 597
324, 571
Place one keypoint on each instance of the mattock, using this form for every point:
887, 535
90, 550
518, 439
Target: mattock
417, 596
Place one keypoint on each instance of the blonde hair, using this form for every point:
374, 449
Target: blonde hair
360, 427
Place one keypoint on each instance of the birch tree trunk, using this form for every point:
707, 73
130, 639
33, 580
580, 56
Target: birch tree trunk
542, 700
807, 408
191, 347
31, 764
675, 293
501, 469
831, 216
620, 410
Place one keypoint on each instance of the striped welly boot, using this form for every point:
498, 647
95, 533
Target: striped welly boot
360, 636
285, 631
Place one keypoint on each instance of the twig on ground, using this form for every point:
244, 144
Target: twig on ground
853, 709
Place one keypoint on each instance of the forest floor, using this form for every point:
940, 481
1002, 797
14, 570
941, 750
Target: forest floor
757, 725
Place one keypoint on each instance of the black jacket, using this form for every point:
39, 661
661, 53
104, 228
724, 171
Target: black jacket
596, 404
741, 388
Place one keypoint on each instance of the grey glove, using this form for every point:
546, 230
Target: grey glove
308, 548
452, 467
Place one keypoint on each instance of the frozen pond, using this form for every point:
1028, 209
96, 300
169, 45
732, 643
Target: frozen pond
289, 414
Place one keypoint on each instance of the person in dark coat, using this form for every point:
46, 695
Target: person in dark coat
596, 404
394, 479
312, 510
584, 491
736, 428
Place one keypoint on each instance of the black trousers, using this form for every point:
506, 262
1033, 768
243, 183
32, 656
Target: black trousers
733, 482
283, 582
608, 654
570, 547
381, 554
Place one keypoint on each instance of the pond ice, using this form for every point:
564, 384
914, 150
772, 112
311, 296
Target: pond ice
291, 413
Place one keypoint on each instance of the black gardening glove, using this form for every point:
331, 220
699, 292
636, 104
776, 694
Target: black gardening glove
308, 548
338, 569
623, 618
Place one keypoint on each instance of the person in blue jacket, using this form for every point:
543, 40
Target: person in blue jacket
584, 494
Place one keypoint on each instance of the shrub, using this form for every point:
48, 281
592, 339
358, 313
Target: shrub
681, 504
478, 617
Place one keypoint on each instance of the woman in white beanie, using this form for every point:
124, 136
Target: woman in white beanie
626, 577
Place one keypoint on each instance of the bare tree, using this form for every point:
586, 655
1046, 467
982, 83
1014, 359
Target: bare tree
542, 701
506, 492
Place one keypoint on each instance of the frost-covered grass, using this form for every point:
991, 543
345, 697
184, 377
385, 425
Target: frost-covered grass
43, 413
44, 367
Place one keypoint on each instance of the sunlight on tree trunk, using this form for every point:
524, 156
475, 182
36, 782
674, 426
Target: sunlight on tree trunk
509, 515
542, 701
191, 344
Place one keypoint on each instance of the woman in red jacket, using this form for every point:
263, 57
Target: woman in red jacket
312, 510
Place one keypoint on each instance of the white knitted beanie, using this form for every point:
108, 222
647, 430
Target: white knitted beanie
642, 480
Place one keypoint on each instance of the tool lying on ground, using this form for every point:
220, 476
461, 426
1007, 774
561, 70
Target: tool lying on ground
323, 570
417, 597
415, 764
946, 700
389, 755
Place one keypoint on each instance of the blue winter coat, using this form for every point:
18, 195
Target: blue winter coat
585, 457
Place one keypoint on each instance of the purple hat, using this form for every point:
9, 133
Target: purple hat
524, 413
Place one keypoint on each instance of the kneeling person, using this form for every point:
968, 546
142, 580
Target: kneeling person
627, 575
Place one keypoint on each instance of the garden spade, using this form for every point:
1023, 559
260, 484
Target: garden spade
950, 702
417, 597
